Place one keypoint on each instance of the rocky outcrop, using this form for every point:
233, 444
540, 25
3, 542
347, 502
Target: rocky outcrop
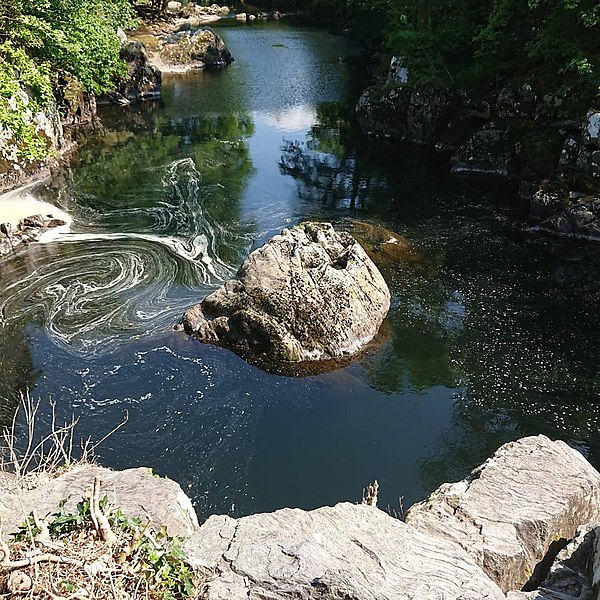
579, 219
29, 229
184, 44
143, 81
194, 49
509, 512
308, 294
416, 115
136, 491
512, 517
191, 9
344, 551
524, 524
486, 153
24, 218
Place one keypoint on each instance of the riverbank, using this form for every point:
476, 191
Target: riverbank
514, 135
520, 526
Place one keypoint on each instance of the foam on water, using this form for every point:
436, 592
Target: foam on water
21, 202
102, 288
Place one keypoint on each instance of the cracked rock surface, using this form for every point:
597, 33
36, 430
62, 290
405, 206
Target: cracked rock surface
345, 551
509, 511
310, 293
530, 510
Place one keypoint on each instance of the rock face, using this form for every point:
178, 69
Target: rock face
591, 129
308, 294
569, 575
509, 511
143, 81
525, 523
486, 153
415, 115
517, 134
345, 551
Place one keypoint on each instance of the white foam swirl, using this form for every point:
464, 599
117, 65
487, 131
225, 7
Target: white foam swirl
96, 289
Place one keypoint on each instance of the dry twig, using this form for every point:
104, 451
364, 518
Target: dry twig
100, 521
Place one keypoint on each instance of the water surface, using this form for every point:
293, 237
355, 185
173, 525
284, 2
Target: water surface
492, 333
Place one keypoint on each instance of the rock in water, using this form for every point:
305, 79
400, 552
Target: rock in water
310, 293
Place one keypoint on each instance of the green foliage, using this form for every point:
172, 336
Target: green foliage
41, 40
470, 42
160, 558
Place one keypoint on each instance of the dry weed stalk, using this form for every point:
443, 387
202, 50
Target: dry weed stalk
101, 555
370, 494
25, 452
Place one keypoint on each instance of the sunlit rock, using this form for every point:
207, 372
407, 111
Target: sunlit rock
591, 129
308, 294
344, 551
508, 513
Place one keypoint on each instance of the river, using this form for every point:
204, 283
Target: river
492, 334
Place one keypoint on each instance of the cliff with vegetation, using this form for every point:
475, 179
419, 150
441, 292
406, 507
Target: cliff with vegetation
509, 90
55, 55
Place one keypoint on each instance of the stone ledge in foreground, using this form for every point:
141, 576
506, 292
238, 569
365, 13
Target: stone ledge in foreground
479, 538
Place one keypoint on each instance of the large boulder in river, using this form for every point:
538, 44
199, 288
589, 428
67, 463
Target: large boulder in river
310, 293
195, 49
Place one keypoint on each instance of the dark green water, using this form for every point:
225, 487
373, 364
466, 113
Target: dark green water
492, 334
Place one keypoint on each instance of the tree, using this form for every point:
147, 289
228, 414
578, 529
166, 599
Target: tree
44, 40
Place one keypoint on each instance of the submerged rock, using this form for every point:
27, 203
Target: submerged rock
386, 248
308, 294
